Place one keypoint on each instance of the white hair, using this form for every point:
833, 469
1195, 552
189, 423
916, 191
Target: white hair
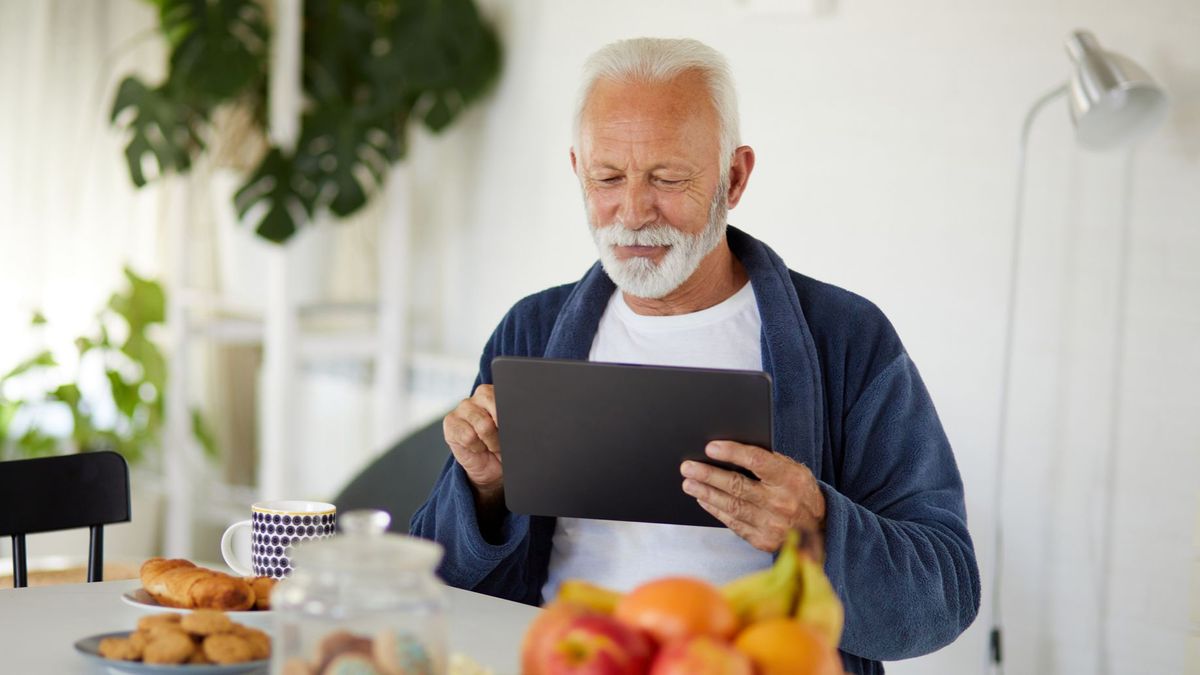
661, 60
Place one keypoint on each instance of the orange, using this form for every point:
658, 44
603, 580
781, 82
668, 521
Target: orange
678, 607
787, 647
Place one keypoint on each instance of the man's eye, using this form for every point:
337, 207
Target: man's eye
611, 180
670, 183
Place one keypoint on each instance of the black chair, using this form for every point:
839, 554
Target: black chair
90, 489
400, 479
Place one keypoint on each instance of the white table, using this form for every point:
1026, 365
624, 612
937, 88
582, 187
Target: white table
39, 626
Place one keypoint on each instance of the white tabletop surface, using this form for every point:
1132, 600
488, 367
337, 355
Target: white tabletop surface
38, 626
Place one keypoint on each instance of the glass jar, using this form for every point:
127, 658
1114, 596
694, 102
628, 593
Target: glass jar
361, 602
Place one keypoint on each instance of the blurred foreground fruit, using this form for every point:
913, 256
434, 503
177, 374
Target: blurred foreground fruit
589, 595
788, 647
678, 607
701, 655
545, 631
595, 644
819, 606
771, 593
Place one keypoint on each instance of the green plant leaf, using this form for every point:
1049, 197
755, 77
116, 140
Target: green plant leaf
38, 319
8, 410
159, 127
124, 394
204, 435
219, 48
34, 443
43, 359
69, 394
85, 344
141, 304
288, 196
146, 354
82, 428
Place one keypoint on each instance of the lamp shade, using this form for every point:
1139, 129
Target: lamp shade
1113, 100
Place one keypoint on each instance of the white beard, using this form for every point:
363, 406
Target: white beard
645, 278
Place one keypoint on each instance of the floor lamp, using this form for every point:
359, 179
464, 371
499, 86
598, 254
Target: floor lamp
1113, 103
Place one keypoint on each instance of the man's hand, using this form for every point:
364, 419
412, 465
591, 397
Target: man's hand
785, 497
471, 432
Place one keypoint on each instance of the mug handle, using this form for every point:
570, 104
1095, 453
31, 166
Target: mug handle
227, 550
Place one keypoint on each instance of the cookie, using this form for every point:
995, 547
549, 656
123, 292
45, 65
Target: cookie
351, 664
168, 646
297, 666
228, 648
122, 649
338, 643
400, 654
198, 659
206, 622
150, 621
259, 641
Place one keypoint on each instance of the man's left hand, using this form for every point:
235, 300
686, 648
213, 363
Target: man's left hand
785, 496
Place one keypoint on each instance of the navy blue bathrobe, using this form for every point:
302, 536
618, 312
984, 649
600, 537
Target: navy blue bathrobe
848, 403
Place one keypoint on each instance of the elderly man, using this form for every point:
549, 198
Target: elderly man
859, 453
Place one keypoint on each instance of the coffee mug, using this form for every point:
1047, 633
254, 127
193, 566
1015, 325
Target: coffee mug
274, 528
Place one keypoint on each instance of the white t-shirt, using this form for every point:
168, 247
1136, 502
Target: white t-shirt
621, 555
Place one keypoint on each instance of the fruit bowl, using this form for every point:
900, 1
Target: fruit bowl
785, 620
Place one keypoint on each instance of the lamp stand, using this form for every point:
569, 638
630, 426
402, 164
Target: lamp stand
995, 636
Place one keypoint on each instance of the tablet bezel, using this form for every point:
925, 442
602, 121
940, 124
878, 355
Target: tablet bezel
619, 459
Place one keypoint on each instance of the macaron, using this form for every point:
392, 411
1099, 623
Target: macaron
401, 654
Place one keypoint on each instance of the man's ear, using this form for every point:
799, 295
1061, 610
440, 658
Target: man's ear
740, 168
574, 168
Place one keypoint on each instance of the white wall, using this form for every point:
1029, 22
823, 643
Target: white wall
886, 140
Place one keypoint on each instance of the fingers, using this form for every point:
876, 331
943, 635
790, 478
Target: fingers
764, 539
761, 512
485, 397
474, 439
760, 462
472, 424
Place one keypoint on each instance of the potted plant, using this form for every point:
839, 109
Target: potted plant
370, 68
107, 395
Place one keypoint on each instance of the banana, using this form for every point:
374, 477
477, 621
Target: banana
819, 605
770, 593
588, 595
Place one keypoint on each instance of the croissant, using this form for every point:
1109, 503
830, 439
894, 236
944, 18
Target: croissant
179, 583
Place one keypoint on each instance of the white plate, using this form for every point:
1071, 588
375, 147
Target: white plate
139, 598
89, 648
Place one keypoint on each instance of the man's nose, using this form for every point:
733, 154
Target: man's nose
637, 205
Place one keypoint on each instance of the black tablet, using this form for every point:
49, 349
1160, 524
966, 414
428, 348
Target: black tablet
602, 440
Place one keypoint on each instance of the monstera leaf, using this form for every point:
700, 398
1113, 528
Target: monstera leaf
369, 68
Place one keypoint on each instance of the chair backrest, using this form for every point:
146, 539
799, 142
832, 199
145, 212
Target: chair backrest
400, 480
89, 489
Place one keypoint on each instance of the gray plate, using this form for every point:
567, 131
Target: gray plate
89, 648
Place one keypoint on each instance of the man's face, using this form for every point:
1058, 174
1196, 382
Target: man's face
650, 171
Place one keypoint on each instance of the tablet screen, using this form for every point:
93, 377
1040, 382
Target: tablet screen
599, 440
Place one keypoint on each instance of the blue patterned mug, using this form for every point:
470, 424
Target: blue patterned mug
275, 527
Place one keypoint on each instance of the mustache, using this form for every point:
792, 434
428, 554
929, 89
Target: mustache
617, 234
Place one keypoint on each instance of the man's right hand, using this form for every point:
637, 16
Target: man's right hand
471, 432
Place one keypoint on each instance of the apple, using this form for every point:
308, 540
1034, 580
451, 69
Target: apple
595, 644
545, 631
701, 655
